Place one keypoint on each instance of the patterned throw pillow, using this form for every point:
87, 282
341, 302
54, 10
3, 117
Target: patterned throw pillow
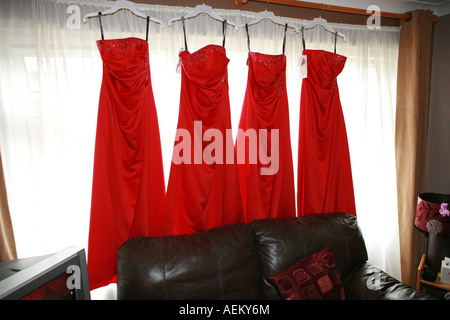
312, 278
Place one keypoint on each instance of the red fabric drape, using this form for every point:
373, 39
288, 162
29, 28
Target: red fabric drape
201, 194
325, 181
128, 180
268, 194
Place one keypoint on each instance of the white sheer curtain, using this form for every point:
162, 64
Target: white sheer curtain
50, 76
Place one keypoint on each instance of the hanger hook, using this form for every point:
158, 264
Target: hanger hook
267, 4
321, 10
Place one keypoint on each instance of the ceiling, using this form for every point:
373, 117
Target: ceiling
439, 7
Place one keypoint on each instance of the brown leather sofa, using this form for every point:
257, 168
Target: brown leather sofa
234, 262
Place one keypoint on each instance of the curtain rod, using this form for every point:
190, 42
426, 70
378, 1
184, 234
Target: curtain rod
313, 5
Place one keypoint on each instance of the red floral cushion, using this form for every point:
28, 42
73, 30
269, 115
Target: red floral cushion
312, 278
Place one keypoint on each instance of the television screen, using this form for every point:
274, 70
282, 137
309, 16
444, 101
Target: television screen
58, 276
55, 289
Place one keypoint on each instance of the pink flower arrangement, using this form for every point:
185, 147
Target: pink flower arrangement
444, 211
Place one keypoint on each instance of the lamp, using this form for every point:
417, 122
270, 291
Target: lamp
433, 217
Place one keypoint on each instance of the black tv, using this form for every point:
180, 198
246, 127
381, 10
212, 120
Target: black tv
58, 276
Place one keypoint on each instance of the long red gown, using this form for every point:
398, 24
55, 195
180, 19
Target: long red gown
201, 194
270, 194
128, 180
325, 181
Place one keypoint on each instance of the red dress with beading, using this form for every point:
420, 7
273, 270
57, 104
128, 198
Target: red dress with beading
128, 180
325, 181
203, 187
267, 187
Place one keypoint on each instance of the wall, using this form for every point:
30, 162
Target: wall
438, 165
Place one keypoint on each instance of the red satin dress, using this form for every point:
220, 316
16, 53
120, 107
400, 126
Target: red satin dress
269, 194
325, 181
128, 180
203, 192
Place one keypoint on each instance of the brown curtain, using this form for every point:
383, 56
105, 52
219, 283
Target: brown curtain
411, 129
7, 243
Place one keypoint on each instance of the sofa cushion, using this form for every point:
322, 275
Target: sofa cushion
312, 278
283, 241
220, 263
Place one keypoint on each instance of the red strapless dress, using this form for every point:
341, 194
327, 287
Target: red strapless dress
268, 194
325, 181
203, 194
128, 180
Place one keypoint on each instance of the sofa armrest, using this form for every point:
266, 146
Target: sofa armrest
368, 282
